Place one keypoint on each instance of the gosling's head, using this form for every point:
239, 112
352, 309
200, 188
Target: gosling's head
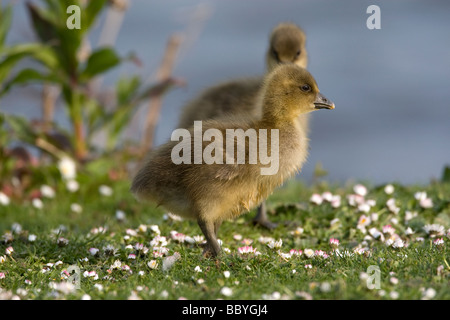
287, 45
290, 91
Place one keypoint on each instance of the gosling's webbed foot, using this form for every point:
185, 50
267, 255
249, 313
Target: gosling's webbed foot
265, 223
212, 248
262, 219
209, 253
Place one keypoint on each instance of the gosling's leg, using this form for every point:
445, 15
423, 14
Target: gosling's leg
216, 227
212, 246
262, 219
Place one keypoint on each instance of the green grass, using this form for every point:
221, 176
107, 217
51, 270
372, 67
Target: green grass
405, 273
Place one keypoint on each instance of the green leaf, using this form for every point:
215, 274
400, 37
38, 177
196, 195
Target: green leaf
446, 174
5, 23
50, 26
43, 23
91, 12
21, 127
127, 88
27, 76
37, 51
100, 61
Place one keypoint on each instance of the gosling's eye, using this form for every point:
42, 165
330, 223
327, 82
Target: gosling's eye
275, 53
298, 52
305, 88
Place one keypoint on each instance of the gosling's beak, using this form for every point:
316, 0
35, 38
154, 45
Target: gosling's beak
323, 103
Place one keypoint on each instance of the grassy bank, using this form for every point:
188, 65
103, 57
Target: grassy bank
388, 238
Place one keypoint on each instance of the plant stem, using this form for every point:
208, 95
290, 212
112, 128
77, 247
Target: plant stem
77, 122
164, 73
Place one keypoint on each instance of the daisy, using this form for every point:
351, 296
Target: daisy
9, 251
179, 237
105, 190
275, 244
72, 185
127, 268
296, 233
47, 191
160, 251
336, 201
4, 199
37, 203
426, 203
246, 250
389, 189
75, 207
120, 215
295, 252
265, 240
388, 229
428, 294
409, 231
434, 230
364, 207
334, 243
438, 242
159, 241
8, 237
375, 233
117, 265
355, 200
285, 256
392, 206
309, 253
409, 215
320, 253
227, 292
155, 229
93, 251
398, 244
62, 242
327, 196
420, 195
171, 216
131, 232
198, 238
316, 199
67, 168
335, 223
363, 222
237, 237
360, 190
109, 250
142, 228
198, 269
360, 251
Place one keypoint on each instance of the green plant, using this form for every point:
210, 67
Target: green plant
59, 53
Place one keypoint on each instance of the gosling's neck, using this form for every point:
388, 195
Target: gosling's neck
278, 115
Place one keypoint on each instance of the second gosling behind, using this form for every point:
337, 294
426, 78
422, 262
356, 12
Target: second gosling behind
212, 193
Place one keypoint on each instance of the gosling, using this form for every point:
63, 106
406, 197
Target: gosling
213, 193
242, 97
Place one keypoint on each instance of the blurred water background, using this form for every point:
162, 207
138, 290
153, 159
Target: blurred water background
391, 86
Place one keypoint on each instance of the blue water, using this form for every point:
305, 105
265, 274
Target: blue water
391, 86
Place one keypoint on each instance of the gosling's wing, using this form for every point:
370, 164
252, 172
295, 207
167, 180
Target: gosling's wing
228, 172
